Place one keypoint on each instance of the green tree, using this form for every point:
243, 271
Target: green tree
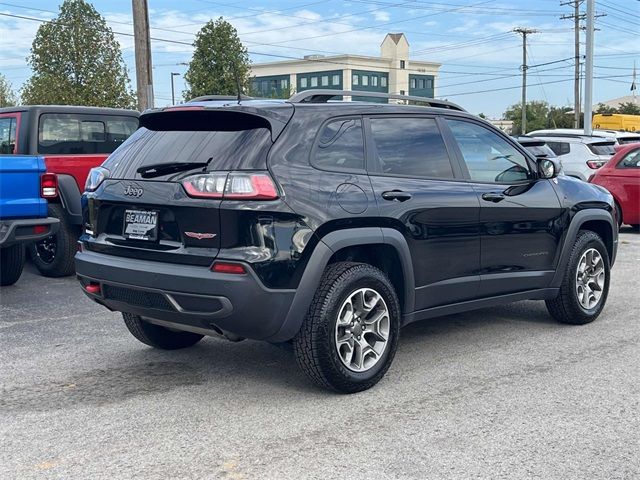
8, 97
629, 108
602, 108
76, 60
560, 117
219, 62
537, 116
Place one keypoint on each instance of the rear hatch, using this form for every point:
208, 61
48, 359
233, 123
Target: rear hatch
162, 195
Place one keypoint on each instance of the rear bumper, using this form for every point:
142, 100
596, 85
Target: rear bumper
21, 230
185, 295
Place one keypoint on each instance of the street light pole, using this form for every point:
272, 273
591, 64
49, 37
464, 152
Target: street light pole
588, 69
173, 95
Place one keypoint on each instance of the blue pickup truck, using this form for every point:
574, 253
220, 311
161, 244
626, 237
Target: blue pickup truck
23, 211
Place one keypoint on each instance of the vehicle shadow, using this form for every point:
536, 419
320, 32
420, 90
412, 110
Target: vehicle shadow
505, 317
628, 229
220, 370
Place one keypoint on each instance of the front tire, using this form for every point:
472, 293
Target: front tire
11, 264
157, 336
350, 335
585, 284
54, 256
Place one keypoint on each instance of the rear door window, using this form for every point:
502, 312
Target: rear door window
8, 135
559, 148
410, 146
67, 133
340, 146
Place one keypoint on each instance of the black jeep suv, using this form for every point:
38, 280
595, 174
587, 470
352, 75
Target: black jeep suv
330, 225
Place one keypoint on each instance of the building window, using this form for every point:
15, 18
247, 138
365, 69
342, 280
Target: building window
429, 83
374, 81
314, 81
284, 83
303, 82
402, 64
413, 83
325, 80
355, 79
365, 80
421, 83
335, 80
383, 81
402, 92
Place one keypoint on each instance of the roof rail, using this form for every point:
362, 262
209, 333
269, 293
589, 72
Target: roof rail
323, 96
212, 98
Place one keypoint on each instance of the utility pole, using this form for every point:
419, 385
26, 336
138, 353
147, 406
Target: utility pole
524, 32
588, 68
173, 95
576, 17
142, 43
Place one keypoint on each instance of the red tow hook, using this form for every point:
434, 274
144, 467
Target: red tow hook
93, 288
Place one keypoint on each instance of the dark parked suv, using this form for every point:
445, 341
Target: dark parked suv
330, 225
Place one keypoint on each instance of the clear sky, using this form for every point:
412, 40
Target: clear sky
473, 40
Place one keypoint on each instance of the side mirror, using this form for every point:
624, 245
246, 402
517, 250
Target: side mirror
547, 168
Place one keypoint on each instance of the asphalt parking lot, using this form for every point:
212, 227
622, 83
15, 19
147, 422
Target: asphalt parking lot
499, 393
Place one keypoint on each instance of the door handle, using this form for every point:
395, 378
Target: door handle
396, 195
493, 197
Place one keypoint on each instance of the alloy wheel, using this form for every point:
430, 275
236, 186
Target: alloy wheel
590, 278
362, 330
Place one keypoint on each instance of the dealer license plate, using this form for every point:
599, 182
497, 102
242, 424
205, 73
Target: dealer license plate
140, 224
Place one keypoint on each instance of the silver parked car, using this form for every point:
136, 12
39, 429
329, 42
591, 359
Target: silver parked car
620, 138
580, 156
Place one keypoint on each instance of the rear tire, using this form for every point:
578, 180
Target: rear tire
583, 292
53, 256
349, 337
11, 264
159, 337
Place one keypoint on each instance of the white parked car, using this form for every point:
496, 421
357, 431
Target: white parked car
620, 138
580, 156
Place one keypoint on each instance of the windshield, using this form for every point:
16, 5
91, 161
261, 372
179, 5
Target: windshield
229, 150
602, 148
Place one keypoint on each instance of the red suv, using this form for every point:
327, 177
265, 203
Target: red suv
72, 141
621, 176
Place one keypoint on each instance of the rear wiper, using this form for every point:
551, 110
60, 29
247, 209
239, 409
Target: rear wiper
158, 169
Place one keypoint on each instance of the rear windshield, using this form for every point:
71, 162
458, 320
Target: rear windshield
73, 134
601, 148
626, 140
540, 150
224, 150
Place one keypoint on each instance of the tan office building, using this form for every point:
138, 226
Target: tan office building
391, 72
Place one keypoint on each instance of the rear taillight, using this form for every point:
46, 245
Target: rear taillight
48, 185
595, 164
96, 176
231, 186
